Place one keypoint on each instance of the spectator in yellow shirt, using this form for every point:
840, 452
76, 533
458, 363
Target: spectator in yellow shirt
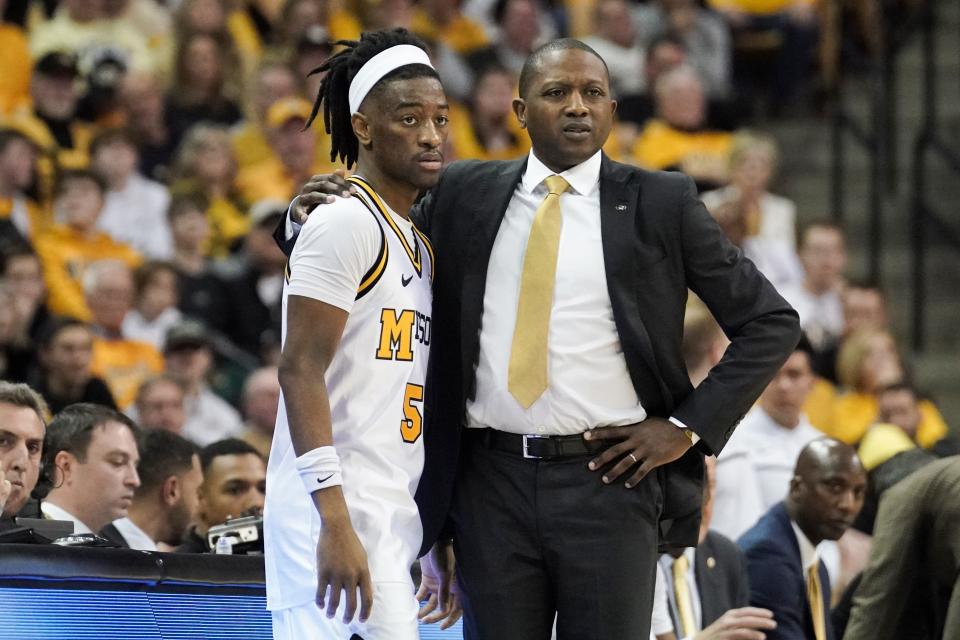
15, 66
274, 79
900, 404
123, 364
678, 138
68, 248
489, 130
443, 21
294, 157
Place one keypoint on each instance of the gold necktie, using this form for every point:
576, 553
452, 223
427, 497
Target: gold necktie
527, 373
815, 596
682, 592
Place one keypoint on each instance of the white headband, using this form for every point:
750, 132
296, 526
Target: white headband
380, 65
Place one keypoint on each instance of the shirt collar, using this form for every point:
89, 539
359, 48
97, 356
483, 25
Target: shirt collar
136, 537
54, 512
583, 178
808, 552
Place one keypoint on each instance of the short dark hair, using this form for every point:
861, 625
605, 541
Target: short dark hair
14, 250
146, 271
51, 329
341, 69
806, 347
69, 175
23, 395
153, 381
163, 454
72, 429
185, 201
225, 447
533, 62
8, 135
822, 223
114, 134
662, 39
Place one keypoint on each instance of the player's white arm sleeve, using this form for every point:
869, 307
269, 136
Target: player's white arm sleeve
333, 252
291, 228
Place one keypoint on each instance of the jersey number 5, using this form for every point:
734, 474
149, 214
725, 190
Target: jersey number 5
412, 424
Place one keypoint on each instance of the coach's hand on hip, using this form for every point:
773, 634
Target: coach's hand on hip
641, 447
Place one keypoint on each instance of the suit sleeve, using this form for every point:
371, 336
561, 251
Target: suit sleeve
763, 329
773, 587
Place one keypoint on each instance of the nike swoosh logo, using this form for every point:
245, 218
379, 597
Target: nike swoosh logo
322, 480
405, 281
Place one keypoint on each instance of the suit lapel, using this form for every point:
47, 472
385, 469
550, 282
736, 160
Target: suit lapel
488, 206
619, 195
705, 574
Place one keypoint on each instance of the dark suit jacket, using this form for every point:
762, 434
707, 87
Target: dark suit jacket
911, 586
720, 571
777, 579
658, 241
113, 534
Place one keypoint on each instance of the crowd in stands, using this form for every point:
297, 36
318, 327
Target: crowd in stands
148, 148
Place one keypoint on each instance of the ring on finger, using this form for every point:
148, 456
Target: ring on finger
634, 458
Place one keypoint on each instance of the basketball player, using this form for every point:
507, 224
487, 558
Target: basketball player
347, 453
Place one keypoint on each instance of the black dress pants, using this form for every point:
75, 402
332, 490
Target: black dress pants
539, 539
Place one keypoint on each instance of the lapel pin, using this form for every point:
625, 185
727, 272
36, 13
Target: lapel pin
620, 207
711, 563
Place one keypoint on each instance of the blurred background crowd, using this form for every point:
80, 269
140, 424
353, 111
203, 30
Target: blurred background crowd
148, 148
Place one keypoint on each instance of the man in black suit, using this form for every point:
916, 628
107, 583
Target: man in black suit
708, 593
786, 573
541, 404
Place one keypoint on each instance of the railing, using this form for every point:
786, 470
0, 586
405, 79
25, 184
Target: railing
929, 141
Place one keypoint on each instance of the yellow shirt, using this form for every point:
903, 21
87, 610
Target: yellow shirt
853, 413
343, 26
15, 68
462, 34
65, 255
756, 7
124, 365
38, 219
269, 180
228, 223
250, 144
819, 404
660, 145
467, 146
246, 38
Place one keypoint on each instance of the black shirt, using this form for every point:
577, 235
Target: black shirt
96, 392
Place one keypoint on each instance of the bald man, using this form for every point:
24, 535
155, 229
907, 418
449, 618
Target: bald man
785, 571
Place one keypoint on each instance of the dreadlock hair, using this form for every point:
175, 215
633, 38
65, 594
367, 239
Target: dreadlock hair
341, 68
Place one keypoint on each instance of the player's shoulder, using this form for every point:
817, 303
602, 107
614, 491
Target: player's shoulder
342, 217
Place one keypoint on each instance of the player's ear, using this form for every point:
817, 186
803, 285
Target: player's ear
361, 128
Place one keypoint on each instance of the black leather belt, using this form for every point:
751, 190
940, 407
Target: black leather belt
536, 447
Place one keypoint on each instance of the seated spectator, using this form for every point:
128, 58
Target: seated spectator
142, 105
261, 399
899, 404
202, 294
69, 248
663, 53
233, 24
864, 306
297, 17
443, 21
160, 404
234, 485
707, 585
135, 207
202, 74
910, 586
521, 31
23, 419
123, 364
15, 68
21, 276
165, 504
91, 454
254, 282
294, 158
51, 123
755, 468
489, 130
65, 376
869, 361
617, 43
823, 254
274, 80
18, 162
678, 137
785, 572
189, 359
155, 304
705, 37
205, 164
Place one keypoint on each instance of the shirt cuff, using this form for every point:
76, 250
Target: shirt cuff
291, 228
694, 438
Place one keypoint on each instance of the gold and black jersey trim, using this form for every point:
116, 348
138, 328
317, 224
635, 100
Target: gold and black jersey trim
412, 253
429, 246
372, 276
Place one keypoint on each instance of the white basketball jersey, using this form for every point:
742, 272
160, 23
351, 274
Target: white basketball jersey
375, 384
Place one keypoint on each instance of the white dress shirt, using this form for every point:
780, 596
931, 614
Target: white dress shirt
821, 316
210, 418
754, 470
808, 552
136, 537
137, 215
53, 512
588, 381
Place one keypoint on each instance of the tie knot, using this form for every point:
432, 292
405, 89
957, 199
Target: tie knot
556, 184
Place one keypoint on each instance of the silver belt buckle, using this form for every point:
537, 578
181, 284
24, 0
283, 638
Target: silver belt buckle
526, 449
